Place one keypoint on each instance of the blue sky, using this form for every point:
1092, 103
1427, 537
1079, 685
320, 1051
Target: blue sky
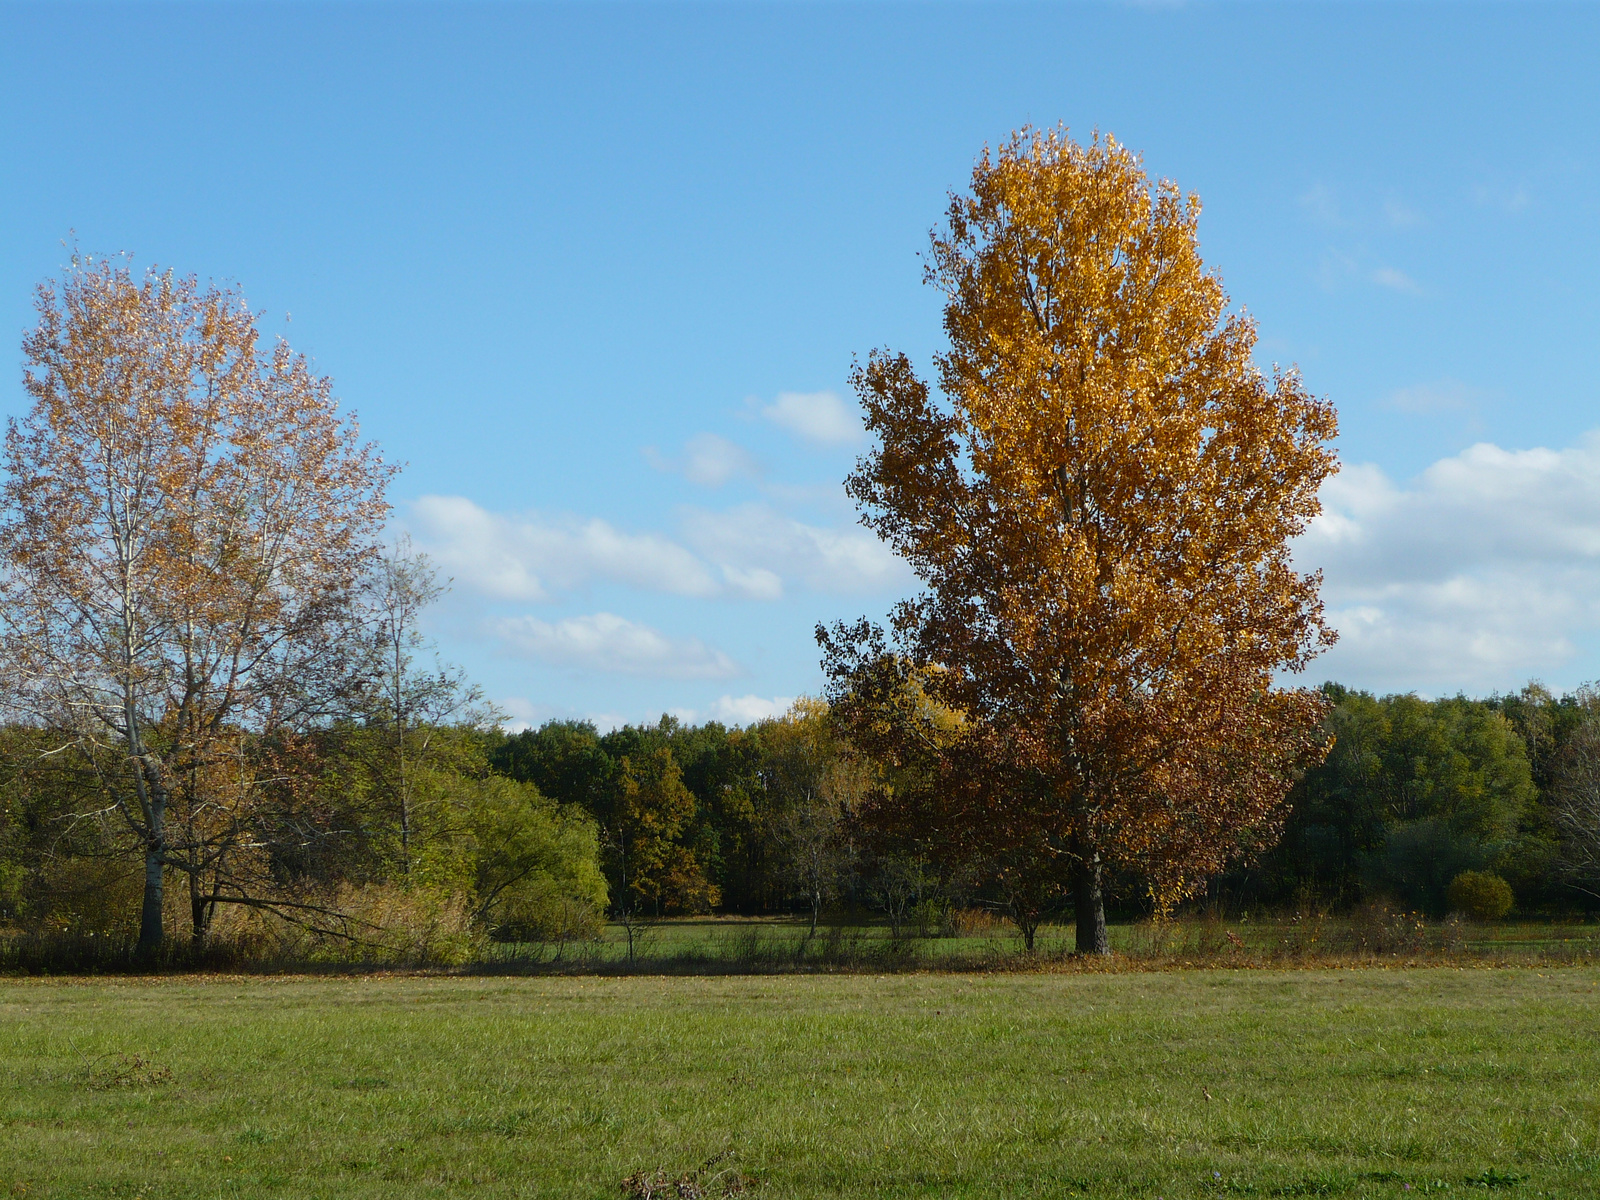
596, 273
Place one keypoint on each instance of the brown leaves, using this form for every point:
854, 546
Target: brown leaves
186, 519
1100, 508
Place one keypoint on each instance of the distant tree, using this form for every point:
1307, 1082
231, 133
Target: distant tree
1101, 513
1575, 807
641, 826
416, 706
896, 882
563, 759
1413, 793
187, 518
535, 864
813, 783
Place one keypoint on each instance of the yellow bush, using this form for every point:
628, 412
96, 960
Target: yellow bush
1481, 895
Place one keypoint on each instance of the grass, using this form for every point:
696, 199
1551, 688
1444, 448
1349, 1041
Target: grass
1144, 1084
768, 945
710, 943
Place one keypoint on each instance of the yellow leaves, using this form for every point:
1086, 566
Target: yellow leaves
184, 520
1101, 506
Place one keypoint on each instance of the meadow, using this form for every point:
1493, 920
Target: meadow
984, 941
1353, 1082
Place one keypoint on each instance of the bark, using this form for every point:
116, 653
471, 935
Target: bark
199, 912
1090, 907
150, 931
1029, 930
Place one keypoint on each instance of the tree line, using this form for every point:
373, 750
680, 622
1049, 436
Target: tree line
541, 835
221, 713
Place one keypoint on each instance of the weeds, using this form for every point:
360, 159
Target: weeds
129, 1071
701, 1183
968, 940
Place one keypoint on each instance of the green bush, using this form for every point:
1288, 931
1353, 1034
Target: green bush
1480, 894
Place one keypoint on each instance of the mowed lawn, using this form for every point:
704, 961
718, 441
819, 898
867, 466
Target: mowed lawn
1355, 1082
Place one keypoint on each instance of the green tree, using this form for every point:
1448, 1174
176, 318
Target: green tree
813, 784
1412, 793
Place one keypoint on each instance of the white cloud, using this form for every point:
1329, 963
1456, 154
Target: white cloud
533, 557
737, 710
1480, 574
607, 642
816, 416
757, 538
746, 710
708, 460
754, 583
752, 552
522, 713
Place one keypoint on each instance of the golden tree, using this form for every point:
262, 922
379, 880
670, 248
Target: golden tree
186, 521
1100, 507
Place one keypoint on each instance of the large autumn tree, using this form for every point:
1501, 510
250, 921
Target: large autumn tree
187, 517
1099, 501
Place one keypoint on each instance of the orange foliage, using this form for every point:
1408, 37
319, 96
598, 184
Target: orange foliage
186, 520
1100, 506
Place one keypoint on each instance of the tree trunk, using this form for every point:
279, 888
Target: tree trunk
1089, 903
199, 913
150, 931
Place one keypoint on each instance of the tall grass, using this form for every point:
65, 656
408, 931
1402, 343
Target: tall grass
1376, 934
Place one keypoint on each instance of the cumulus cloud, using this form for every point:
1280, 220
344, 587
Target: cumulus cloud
534, 557
737, 710
756, 539
820, 417
752, 552
1480, 574
607, 642
746, 710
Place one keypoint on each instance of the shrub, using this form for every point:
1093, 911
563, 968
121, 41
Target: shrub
1417, 861
1481, 895
971, 923
375, 924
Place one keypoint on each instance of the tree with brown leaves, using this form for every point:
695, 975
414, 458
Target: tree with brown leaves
186, 520
1100, 506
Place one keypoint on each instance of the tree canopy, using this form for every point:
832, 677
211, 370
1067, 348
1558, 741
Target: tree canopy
1099, 502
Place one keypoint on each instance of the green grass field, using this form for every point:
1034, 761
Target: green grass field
1178, 1084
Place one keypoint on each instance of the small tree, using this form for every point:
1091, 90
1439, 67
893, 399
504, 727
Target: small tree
410, 703
648, 809
186, 521
1575, 808
813, 783
1100, 508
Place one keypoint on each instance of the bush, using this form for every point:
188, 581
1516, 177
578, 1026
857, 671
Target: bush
377, 924
1481, 895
